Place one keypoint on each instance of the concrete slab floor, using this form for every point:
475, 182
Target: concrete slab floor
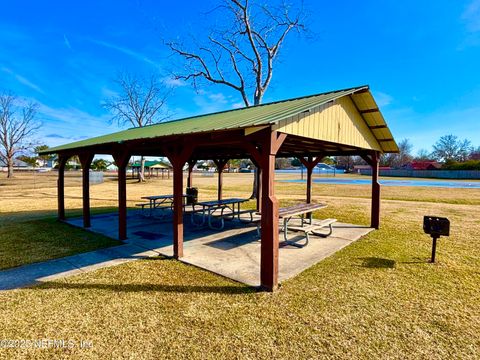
233, 252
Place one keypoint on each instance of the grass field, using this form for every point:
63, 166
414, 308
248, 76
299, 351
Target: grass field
377, 298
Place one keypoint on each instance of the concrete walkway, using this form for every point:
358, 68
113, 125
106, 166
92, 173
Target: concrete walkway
233, 252
37, 273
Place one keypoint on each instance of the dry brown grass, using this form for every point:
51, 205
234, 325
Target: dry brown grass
377, 298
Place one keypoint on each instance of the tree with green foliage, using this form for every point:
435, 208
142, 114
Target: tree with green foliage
99, 164
295, 162
44, 158
29, 160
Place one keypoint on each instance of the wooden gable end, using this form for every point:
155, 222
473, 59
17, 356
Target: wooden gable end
337, 121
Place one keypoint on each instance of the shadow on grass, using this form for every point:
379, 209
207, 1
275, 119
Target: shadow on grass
150, 288
20, 216
377, 263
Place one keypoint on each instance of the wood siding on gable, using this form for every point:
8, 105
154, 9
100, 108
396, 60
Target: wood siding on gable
338, 121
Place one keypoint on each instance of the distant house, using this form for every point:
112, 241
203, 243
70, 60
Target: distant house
475, 155
358, 168
365, 169
423, 165
17, 165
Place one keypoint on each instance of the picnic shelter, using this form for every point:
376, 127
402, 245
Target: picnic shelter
337, 123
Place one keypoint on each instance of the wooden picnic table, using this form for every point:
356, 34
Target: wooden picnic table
161, 201
300, 210
208, 209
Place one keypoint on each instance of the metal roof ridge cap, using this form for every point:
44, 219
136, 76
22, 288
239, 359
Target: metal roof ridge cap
349, 92
353, 89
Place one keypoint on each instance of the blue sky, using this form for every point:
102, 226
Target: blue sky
421, 59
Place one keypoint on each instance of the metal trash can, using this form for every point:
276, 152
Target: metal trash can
192, 197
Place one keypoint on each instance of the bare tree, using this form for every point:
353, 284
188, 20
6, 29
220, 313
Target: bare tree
451, 148
422, 155
140, 102
17, 125
403, 157
241, 54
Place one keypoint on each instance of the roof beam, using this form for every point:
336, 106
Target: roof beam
367, 111
375, 127
385, 140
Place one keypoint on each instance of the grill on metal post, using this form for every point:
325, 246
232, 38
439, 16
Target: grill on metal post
435, 227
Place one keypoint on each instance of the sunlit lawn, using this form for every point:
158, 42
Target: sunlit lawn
377, 298
37, 240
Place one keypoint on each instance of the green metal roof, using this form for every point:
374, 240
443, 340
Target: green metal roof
264, 114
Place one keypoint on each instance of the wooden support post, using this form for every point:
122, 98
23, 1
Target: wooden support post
121, 159
373, 160
259, 189
220, 164
309, 180
257, 173
178, 209
178, 156
62, 161
85, 161
191, 164
310, 164
269, 241
375, 216
264, 156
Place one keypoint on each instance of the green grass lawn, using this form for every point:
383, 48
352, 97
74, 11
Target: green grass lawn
32, 241
377, 298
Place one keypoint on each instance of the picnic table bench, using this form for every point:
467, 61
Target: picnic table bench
308, 227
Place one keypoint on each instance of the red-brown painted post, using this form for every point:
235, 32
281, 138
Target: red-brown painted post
269, 222
62, 161
191, 164
259, 189
220, 164
178, 156
85, 161
375, 216
121, 159
177, 208
310, 164
309, 180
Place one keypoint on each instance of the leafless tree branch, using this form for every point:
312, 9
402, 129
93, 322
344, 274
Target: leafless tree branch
251, 41
140, 102
17, 126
